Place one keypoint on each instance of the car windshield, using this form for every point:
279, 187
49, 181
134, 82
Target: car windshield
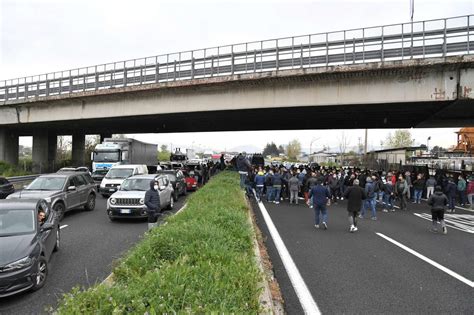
47, 183
100, 172
14, 222
119, 173
106, 156
140, 184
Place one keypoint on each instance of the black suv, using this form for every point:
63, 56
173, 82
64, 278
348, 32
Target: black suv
178, 181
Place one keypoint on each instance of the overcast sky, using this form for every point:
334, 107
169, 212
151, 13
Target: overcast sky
45, 36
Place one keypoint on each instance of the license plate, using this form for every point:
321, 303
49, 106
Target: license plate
111, 189
128, 211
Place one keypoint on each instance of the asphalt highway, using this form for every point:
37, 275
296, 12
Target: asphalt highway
364, 272
90, 243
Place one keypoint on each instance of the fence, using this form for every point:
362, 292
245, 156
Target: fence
423, 39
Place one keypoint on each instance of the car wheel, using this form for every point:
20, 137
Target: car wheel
58, 240
60, 209
171, 204
90, 205
41, 274
112, 219
185, 191
175, 195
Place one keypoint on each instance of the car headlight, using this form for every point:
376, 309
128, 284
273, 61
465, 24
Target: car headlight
19, 264
142, 201
113, 201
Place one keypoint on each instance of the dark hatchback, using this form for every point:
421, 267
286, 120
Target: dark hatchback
26, 244
177, 179
6, 188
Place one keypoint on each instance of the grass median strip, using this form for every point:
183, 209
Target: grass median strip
202, 261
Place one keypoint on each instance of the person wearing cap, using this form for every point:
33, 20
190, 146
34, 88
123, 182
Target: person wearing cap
438, 202
152, 202
355, 196
259, 184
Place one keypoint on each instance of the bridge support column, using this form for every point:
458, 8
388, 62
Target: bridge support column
8, 146
105, 135
78, 149
44, 151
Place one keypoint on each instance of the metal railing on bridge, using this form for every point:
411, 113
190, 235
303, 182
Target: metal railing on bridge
423, 39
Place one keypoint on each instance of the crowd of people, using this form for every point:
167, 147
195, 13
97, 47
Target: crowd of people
366, 190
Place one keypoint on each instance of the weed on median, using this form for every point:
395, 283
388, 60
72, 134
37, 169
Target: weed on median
202, 261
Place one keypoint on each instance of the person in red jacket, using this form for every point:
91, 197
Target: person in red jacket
470, 191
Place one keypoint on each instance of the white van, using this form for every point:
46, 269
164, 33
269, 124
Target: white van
116, 175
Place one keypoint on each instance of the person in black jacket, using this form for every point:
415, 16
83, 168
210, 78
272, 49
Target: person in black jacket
152, 202
354, 195
437, 202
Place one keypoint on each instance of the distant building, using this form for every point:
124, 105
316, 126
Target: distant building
323, 157
465, 143
392, 158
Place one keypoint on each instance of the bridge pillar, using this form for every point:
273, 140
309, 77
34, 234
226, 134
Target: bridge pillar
44, 151
8, 146
105, 135
78, 149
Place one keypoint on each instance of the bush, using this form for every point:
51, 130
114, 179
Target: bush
8, 170
202, 261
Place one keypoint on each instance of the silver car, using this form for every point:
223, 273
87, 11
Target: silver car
64, 191
129, 201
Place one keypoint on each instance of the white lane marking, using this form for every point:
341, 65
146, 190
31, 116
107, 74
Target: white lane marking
306, 299
63, 226
431, 262
461, 222
457, 207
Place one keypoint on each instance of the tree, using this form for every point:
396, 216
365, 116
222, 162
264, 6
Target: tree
271, 149
281, 149
293, 150
343, 144
436, 150
400, 139
64, 148
164, 154
91, 142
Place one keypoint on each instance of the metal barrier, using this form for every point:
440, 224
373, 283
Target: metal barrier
19, 179
424, 39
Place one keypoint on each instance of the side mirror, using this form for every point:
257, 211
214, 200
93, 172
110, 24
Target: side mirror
71, 188
46, 227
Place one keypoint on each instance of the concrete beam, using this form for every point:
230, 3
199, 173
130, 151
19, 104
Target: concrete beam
105, 135
78, 149
8, 146
44, 151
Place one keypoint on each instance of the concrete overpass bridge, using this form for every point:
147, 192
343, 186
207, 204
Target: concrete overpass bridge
417, 74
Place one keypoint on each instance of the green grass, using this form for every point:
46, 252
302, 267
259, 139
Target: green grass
202, 261
8, 170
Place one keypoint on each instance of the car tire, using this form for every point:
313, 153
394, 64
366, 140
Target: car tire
58, 240
42, 273
90, 205
112, 219
60, 210
185, 191
171, 204
175, 195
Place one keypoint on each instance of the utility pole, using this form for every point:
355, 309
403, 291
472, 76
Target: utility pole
365, 145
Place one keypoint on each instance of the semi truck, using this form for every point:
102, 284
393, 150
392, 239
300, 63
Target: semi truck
123, 151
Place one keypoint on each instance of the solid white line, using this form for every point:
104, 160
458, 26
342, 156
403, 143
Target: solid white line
63, 226
306, 299
431, 262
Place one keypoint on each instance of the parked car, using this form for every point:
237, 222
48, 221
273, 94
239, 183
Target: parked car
117, 174
64, 191
191, 182
26, 244
6, 188
129, 200
98, 176
178, 181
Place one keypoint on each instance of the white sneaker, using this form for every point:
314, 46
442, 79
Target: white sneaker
325, 225
355, 229
384, 210
316, 226
277, 202
445, 230
342, 198
351, 229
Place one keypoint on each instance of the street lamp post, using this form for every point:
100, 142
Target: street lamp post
428, 144
311, 146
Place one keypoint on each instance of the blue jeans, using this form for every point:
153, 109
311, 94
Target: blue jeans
242, 180
418, 194
370, 202
320, 209
462, 197
388, 200
276, 193
269, 193
452, 202
259, 191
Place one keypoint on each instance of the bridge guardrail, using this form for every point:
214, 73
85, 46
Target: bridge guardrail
421, 39
19, 179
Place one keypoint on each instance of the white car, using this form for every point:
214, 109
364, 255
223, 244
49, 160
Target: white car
116, 175
129, 200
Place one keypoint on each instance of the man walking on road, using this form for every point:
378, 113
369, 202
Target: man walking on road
451, 190
294, 187
320, 196
243, 166
354, 195
402, 189
152, 202
437, 202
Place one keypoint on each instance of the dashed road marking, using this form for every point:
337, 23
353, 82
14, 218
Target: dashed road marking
306, 299
461, 222
429, 261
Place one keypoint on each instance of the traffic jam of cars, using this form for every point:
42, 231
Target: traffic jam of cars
30, 217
